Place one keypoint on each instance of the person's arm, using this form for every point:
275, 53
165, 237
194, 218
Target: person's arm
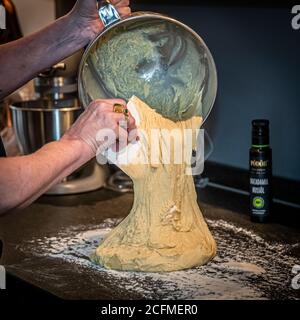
23, 59
24, 179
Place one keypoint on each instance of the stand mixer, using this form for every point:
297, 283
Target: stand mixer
47, 118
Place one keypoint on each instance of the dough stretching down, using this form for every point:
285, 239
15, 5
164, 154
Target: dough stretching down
165, 230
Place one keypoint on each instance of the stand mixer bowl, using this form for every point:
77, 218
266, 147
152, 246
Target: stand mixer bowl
38, 122
156, 58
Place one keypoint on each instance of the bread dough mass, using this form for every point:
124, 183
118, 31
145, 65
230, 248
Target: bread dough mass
165, 230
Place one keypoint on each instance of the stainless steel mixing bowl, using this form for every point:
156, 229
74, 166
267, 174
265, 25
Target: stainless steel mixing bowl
154, 57
39, 122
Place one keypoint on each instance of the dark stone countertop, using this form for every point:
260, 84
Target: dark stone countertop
46, 246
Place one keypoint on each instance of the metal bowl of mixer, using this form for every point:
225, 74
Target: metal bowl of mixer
154, 57
38, 122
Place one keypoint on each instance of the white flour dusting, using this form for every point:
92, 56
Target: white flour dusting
246, 267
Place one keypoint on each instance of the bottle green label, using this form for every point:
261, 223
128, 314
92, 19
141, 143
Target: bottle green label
258, 202
260, 184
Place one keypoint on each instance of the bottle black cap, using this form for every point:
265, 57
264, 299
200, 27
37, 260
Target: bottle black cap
260, 132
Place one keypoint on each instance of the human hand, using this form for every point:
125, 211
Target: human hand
86, 16
100, 116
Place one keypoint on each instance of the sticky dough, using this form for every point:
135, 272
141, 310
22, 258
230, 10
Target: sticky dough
165, 229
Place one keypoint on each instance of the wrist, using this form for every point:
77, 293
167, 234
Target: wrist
79, 148
86, 29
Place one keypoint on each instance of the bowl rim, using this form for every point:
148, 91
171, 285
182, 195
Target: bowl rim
24, 106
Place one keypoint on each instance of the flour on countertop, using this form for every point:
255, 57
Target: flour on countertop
246, 266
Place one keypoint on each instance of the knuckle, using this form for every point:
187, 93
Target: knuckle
99, 111
99, 104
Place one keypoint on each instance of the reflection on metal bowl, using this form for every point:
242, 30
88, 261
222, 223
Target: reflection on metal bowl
40, 121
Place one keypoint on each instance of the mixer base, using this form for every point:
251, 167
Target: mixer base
90, 179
